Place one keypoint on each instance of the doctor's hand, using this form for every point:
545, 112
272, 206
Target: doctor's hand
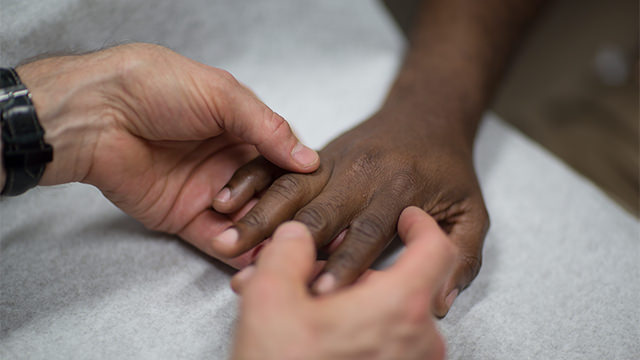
157, 133
386, 315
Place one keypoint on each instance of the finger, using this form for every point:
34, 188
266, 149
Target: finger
467, 234
246, 182
200, 179
290, 256
429, 257
328, 214
368, 235
204, 227
190, 217
251, 120
279, 203
240, 280
210, 224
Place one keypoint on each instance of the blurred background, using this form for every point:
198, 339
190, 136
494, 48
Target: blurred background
573, 88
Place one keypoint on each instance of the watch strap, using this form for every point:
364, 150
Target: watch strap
24, 151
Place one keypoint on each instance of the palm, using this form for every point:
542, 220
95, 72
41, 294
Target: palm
168, 185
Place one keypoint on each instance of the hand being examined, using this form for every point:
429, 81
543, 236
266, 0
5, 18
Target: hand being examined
366, 178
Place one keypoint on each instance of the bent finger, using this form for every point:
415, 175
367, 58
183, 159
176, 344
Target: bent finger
246, 182
279, 203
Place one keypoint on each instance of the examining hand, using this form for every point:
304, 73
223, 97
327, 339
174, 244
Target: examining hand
157, 133
384, 316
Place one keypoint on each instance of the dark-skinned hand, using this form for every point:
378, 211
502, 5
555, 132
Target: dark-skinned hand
352, 203
417, 150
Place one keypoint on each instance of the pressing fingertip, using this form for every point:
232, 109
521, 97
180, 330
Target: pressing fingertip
304, 156
240, 279
410, 209
325, 284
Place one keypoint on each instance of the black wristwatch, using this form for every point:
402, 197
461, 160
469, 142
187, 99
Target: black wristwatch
24, 152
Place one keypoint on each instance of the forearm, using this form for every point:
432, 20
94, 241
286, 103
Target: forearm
459, 49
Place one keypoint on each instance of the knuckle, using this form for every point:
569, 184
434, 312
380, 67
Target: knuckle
401, 182
255, 218
226, 77
316, 217
287, 186
276, 123
368, 230
366, 164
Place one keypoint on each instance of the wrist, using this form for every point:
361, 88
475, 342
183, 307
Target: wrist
64, 95
433, 113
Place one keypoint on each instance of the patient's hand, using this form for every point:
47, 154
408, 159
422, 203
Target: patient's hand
367, 176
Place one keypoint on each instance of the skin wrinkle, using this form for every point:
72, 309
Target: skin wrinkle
213, 107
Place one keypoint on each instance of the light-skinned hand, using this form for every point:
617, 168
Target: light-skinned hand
159, 134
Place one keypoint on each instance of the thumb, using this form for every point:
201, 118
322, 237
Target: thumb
245, 116
289, 260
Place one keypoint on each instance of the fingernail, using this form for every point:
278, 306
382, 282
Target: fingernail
228, 238
325, 284
451, 298
303, 155
333, 245
224, 195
